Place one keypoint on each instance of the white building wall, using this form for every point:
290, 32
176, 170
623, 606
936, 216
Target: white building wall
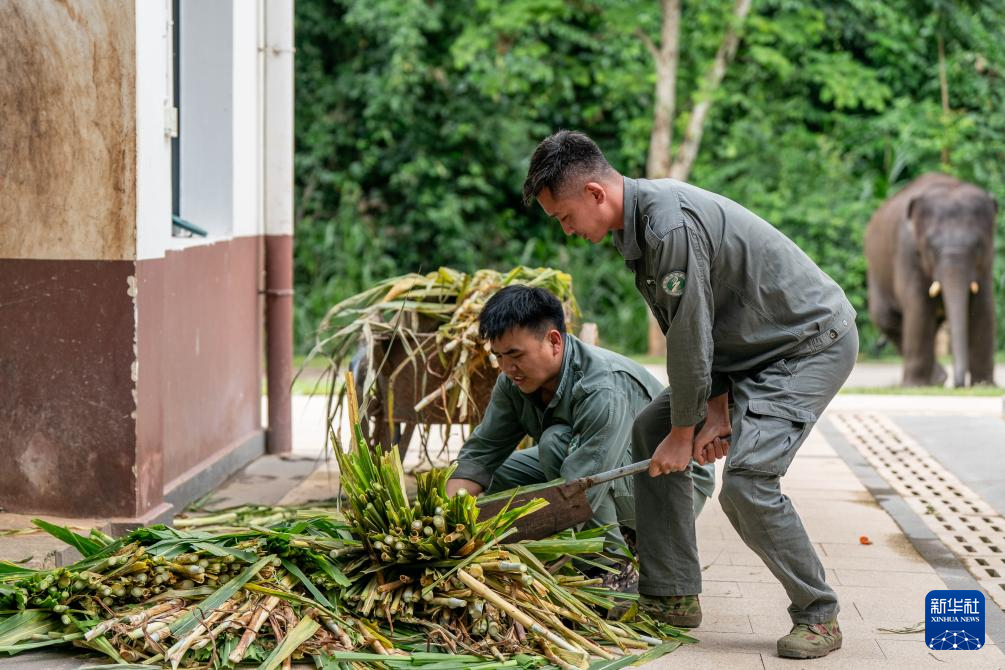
153, 145
219, 122
246, 136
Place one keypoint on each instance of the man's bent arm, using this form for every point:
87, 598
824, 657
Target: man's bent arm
492, 441
689, 337
602, 425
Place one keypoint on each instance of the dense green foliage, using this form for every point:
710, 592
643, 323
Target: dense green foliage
415, 122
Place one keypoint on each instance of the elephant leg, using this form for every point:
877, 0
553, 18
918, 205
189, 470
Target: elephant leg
890, 323
982, 336
884, 313
918, 343
939, 374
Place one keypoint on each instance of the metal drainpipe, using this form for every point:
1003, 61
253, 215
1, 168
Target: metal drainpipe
278, 207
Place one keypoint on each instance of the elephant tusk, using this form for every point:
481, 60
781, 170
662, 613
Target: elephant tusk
935, 289
975, 288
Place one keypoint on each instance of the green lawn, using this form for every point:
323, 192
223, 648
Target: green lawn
976, 391
312, 379
309, 381
307, 385
643, 359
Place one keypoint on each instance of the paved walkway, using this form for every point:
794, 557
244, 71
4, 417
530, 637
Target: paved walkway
881, 585
871, 375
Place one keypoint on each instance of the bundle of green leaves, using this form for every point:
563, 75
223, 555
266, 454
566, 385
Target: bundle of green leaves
390, 581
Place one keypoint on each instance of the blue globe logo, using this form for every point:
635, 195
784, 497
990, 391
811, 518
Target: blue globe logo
954, 639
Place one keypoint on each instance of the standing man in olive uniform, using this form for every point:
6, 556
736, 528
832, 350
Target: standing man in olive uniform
747, 316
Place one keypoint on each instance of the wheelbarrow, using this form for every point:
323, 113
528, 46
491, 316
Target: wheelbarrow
567, 504
400, 400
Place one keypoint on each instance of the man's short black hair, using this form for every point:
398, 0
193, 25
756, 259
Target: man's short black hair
520, 306
562, 160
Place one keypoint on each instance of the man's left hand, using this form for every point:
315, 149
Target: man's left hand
712, 441
454, 484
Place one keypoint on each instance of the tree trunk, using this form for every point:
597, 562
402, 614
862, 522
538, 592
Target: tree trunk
944, 90
665, 59
681, 167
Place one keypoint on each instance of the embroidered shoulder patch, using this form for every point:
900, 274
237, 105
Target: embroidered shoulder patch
673, 283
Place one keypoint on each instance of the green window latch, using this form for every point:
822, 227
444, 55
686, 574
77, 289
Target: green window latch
186, 225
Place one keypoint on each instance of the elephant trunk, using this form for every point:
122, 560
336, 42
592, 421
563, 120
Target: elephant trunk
956, 292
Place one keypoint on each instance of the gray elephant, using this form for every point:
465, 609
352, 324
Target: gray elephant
930, 250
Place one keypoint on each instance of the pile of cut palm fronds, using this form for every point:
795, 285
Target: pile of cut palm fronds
393, 583
433, 320
315, 588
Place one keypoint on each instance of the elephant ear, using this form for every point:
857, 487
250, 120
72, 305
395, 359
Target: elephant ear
912, 205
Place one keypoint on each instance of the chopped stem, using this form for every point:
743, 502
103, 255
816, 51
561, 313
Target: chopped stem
514, 613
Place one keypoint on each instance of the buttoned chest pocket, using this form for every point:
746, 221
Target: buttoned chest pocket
650, 289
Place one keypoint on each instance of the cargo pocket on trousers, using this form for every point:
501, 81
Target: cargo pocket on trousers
776, 430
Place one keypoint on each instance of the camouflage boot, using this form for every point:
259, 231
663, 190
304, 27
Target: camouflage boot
680, 611
810, 640
625, 581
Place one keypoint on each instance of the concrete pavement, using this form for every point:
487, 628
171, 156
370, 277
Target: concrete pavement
881, 585
842, 493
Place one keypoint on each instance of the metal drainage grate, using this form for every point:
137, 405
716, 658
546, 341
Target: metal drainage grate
964, 522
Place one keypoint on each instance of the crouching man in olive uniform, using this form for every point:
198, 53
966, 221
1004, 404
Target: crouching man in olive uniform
578, 402
748, 317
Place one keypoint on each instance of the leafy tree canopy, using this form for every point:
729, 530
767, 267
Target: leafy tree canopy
416, 120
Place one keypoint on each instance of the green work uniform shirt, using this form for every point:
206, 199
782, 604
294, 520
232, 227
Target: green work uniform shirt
730, 292
599, 394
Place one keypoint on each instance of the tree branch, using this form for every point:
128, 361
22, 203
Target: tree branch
660, 140
681, 167
648, 42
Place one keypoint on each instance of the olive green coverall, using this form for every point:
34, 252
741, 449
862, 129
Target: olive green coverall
744, 310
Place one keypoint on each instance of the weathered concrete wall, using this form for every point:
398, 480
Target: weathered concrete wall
67, 129
122, 370
67, 250
67, 433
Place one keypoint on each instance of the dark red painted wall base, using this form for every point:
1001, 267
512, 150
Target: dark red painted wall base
67, 434
75, 440
200, 344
